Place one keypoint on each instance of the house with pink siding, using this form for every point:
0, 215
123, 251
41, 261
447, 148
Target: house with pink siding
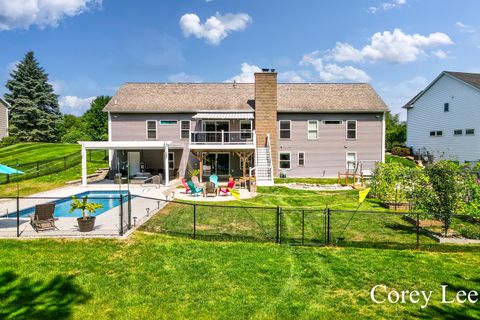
263, 129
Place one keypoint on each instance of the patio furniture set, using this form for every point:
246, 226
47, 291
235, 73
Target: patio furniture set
212, 187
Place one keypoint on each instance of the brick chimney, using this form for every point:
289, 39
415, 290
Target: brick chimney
266, 111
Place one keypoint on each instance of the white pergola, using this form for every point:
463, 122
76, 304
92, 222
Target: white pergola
123, 145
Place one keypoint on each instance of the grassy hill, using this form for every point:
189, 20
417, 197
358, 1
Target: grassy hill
47, 166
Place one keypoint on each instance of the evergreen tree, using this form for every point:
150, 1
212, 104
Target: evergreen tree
35, 115
96, 120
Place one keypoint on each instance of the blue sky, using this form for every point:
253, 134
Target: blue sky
90, 47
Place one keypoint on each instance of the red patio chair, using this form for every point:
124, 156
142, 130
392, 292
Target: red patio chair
185, 185
231, 185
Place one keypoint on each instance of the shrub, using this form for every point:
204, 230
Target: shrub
470, 232
391, 181
74, 136
8, 141
401, 151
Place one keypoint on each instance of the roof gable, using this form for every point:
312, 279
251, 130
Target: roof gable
469, 79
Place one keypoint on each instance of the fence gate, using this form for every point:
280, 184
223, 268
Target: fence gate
303, 226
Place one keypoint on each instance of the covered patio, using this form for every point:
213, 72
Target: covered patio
121, 146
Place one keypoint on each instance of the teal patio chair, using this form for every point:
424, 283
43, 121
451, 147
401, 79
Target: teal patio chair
194, 190
214, 179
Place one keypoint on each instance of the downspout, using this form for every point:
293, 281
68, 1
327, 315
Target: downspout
110, 152
383, 137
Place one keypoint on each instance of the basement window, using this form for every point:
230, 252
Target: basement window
285, 129
284, 160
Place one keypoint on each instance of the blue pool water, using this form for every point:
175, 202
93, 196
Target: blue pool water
109, 200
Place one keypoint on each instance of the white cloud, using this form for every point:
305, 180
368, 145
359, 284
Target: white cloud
440, 54
183, 77
395, 4
392, 47
291, 77
74, 105
396, 95
22, 14
216, 28
332, 71
465, 28
247, 74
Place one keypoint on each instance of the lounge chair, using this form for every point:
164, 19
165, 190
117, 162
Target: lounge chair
196, 183
193, 189
230, 185
43, 218
214, 179
210, 188
185, 185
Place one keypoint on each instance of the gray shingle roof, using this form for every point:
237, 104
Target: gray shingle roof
472, 79
194, 97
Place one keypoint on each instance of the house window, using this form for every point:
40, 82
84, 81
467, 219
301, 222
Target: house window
245, 129
446, 107
151, 129
184, 129
332, 121
458, 132
171, 161
285, 129
436, 133
351, 160
168, 122
351, 129
469, 132
284, 160
312, 129
439, 133
301, 159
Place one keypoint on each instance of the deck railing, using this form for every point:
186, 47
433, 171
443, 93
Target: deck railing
222, 137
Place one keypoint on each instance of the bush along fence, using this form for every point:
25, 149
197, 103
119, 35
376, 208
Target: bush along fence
44, 167
283, 225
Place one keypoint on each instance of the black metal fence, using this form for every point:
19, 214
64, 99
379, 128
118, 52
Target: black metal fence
40, 168
283, 225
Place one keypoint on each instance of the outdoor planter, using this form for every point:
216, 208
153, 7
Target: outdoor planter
400, 206
86, 225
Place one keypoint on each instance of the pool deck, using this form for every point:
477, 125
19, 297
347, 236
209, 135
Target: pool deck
107, 224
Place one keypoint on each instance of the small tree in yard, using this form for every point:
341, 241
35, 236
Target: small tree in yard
441, 191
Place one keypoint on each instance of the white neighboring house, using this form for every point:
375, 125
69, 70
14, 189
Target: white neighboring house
4, 107
443, 120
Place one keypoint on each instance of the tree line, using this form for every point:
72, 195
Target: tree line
35, 114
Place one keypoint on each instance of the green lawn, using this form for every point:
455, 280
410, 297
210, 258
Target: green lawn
405, 162
154, 276
30, 152
306, 180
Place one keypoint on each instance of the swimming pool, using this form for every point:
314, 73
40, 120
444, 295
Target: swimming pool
109, 200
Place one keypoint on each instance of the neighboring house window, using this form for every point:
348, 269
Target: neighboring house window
284, 160
301, 159
285, 129
446, 107
184, 129
470, 131
351, 129
436, 133
245, 129
351, 160
332, 121
168, 122
312, 129
171, 161
458, 132
151, 129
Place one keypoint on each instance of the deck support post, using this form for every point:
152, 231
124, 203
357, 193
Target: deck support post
165, 166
